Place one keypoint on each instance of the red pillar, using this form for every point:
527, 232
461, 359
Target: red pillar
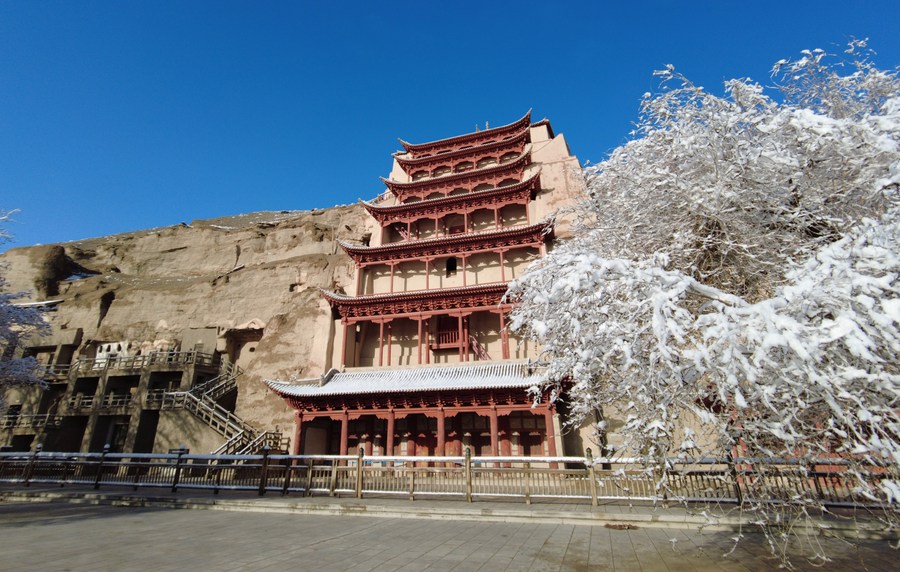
551, 434
370, 436
441, 433
392, 277
411, 430
466, 343
389, 449
345, 429
298, 433
495, 448
344, 344
381, 343
460, 339
389, 342
427, 336
505, 444
419, 338
504, 336
427, 269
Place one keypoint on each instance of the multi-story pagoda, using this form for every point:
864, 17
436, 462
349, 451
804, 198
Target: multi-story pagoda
427, 364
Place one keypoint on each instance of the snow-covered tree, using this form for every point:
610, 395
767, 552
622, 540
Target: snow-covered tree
736, 264
16, 324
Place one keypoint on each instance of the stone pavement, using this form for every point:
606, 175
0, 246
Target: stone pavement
46, 529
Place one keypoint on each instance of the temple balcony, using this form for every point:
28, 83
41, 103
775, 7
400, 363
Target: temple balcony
510, 172
486, 198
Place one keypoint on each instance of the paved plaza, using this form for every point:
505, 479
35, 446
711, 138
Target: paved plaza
60, 536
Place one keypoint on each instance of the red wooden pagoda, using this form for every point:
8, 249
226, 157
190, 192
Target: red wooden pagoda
427, 365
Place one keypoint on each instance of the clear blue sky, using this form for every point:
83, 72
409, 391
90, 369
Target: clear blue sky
118, 116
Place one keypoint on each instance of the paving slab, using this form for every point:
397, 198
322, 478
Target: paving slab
49, 529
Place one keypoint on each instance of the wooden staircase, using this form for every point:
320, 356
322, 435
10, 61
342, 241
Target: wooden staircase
202, 401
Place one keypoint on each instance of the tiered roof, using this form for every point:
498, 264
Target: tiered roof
468, 140
482, 296
515, 143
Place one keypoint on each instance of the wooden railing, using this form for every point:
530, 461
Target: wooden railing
33, 421
577, 479
146, 360
444, 339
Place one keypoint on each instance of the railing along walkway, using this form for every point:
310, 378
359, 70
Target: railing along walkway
577, 479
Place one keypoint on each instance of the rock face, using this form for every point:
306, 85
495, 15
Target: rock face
248, 283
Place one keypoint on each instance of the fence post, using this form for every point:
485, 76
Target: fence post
264, 471
218, 479
732, 464
287, 476
29, 466
177, 476
65, 475
527, 482
468, 474
309, 477
333, 484
359, 473
592, 475
137, 475
100, 466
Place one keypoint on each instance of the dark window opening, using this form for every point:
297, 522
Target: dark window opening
451, 266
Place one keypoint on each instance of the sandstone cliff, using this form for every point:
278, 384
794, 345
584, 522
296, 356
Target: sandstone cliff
250, 282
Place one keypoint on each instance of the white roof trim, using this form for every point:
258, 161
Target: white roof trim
494, 375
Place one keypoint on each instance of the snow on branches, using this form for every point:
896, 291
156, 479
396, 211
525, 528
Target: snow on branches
16, 324
735, 270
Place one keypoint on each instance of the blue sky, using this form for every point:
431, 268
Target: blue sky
119, 116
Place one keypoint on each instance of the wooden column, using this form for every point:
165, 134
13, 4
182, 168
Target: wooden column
441, 433
389, 344
381, 343
460, 337
502, 266
411, 429
370, 435
505, 443
504, 336
466, 344
496, 219
419, 338
465, 261
551, 434
389, 447
298, 433
359, 279
393, 266
344, 342
345, 429
427, 341
427, 271
495, 439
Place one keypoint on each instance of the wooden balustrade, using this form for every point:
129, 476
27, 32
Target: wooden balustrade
578, 479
